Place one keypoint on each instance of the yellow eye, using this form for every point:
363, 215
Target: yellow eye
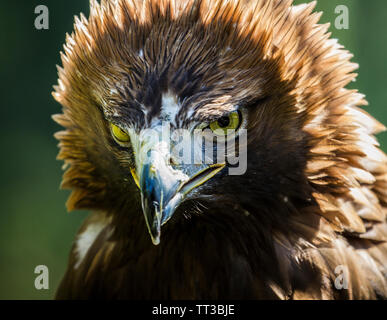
119, 134
229, 122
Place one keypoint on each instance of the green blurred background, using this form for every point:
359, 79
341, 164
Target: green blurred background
35, 228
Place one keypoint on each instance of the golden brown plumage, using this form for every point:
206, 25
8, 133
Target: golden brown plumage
316, 188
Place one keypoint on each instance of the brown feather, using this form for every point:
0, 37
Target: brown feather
316, 200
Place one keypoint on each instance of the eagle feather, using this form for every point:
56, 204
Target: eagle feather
267, 51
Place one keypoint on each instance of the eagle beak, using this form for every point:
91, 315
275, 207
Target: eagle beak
163, 187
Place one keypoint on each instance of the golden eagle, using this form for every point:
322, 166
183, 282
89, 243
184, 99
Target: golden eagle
306, 219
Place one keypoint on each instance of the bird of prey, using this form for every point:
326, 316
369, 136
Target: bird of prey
306, 218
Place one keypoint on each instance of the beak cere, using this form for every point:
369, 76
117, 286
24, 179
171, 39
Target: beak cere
164, 186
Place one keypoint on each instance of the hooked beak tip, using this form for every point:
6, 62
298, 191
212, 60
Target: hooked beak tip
162, 192
153, 221
156, 240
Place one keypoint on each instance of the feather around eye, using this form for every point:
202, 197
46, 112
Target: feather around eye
119, 134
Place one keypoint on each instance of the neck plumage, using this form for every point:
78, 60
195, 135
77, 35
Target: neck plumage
197, 253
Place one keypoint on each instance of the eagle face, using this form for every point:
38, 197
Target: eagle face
189, 83
225, 118
177, 132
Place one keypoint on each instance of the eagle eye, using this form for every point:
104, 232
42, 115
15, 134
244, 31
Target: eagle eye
223, 125
119, 135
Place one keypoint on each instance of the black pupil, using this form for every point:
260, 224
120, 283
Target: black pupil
224, 121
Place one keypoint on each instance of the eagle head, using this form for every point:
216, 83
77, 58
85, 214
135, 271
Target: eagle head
145, 82
228, 118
